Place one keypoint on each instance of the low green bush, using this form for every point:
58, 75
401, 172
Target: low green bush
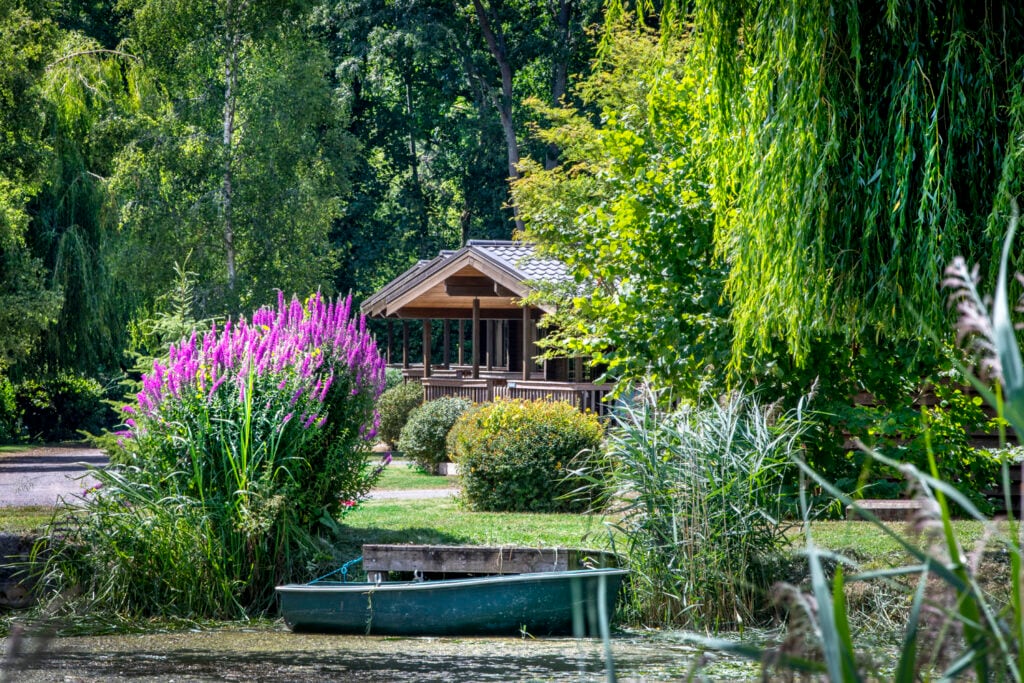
394, 407
58, 408
392, 378
519, 456
424, 435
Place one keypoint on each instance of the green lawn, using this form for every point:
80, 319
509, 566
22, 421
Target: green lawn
443, 521
20, 448
866, 544
24, 520
400, 476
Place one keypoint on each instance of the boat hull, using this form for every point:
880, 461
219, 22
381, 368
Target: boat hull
549, 603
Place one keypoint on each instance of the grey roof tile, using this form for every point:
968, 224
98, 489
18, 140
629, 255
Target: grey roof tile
522, 257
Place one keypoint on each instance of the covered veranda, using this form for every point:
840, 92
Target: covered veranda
487, 345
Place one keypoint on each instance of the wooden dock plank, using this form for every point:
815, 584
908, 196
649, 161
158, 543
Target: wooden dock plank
479, 559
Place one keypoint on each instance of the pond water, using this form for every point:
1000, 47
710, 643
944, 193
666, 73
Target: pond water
274, 654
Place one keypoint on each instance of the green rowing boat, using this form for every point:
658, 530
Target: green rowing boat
544, 603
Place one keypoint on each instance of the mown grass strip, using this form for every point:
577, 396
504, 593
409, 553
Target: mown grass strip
399, 476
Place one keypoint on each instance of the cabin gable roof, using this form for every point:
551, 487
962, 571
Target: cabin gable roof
499, 273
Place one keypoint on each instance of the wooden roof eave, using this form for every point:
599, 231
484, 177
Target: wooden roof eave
376, 304
437, 271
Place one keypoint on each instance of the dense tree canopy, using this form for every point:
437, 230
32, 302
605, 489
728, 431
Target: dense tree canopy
259, 145
855, 148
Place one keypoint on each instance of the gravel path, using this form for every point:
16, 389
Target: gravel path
413, 494
38, 477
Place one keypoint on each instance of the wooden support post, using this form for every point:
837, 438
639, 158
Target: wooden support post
476, 338
462, 343
405, 344
446, 336
526, 343
426, 348
490, 344
499, 344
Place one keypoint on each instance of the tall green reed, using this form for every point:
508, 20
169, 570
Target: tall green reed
239, 447
699, 496
953, 627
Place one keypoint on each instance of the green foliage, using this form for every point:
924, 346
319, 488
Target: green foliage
59, 408
700, 495
91, 97
10, 418
628, 210
423, 438
242, 451
392, 378
882, 393
520, 456
844, 158
241, 160
394, 407
27, 304
954, 628
173, 318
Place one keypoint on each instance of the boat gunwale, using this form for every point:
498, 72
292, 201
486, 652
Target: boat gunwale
390, 586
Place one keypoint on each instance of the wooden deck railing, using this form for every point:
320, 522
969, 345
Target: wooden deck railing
584, 396
475, 390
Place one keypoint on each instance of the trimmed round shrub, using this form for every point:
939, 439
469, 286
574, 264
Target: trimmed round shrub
394, 407
517, 456
56, 408
424, 435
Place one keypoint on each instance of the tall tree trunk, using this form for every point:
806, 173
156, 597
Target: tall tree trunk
560, 77
233, 41
496, 44
414, 164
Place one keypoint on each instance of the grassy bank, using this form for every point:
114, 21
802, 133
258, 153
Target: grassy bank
26, 520
444, 521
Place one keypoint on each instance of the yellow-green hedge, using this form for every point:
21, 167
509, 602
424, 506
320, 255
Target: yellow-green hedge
517, 456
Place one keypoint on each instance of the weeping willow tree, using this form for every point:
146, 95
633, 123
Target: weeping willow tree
855, 148
89, 94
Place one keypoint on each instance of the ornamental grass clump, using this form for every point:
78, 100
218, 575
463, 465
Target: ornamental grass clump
953, 628
698, 493
243, 447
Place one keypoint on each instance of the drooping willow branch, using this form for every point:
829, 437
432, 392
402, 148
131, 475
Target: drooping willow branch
854, 150
84, 53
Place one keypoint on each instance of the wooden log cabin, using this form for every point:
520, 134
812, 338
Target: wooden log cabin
476, 295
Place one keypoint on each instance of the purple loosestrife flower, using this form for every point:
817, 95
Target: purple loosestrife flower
300, 347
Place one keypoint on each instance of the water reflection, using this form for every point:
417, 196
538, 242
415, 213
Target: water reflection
278, 656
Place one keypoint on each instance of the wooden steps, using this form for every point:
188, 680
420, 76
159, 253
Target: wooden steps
442, 561
885, 510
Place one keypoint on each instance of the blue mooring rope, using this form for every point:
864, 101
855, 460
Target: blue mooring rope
343, 569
